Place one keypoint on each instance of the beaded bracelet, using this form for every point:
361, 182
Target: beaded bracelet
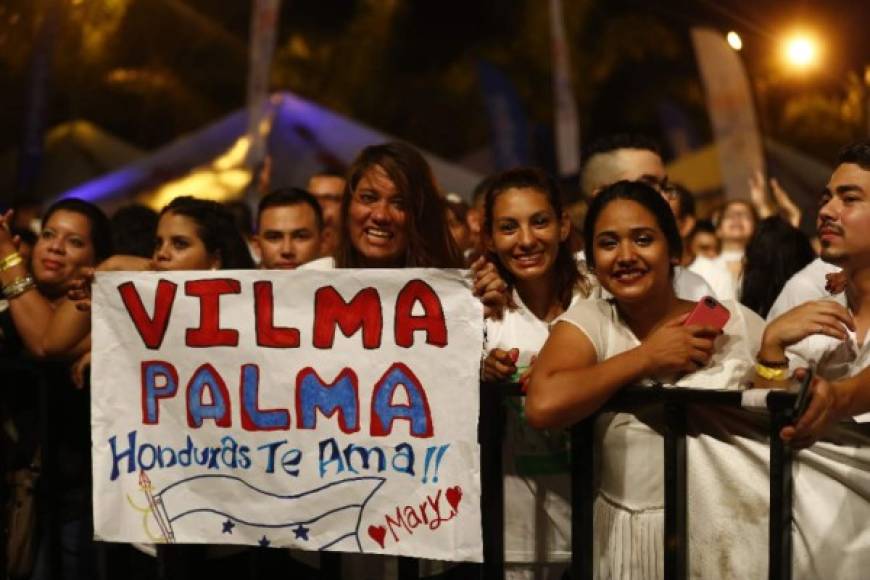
9, 261
18, 287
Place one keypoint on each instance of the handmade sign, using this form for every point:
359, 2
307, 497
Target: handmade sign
322, 410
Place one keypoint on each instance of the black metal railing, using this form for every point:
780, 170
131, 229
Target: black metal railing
675, 402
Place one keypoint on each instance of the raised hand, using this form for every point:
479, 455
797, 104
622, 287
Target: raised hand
8, 244
791, 212
489, 287
758, 195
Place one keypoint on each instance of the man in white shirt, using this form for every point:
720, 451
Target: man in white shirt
836, 350
810, 283
628, 157
832, 478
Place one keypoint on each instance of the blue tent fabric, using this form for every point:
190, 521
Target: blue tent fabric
304, 139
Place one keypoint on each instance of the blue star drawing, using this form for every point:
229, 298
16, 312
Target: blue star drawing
325, 517
301, 532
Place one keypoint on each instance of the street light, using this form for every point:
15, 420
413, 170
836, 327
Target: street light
734, 40
801, 51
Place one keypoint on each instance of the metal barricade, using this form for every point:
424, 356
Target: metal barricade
491, 436
674, 401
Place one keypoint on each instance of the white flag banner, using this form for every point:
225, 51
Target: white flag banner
729, 101
566, 120
319, 410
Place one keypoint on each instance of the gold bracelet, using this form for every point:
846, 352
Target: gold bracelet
771, 374
9, 261
18, 287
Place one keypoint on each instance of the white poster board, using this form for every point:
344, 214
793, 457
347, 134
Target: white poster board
319, 410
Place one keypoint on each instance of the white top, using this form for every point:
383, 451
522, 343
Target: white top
715, 272
537, 492
690, 286
805, 285
629, 507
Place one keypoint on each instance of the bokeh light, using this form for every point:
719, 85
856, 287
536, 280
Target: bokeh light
801, 51
734, 40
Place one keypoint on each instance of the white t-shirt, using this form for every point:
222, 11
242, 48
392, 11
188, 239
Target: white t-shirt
537, 510
690, 286
715, 272
628, 510
805, 285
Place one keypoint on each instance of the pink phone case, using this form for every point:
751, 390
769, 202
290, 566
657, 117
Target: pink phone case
708, 312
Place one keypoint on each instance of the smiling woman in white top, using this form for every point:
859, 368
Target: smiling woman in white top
601, 345
526, 236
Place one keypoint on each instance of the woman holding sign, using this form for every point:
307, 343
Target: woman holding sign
192, 234
638, 336
394, 217
527, 238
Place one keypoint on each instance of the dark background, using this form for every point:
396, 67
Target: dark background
151, 70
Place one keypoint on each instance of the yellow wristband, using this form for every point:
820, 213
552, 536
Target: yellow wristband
12, 259
771, 374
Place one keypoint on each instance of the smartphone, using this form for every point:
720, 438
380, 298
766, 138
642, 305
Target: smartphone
708, 312
803, 400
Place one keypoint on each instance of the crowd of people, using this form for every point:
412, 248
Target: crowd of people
578, 305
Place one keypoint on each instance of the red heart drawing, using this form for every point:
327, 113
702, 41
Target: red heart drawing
378, 533
454, 495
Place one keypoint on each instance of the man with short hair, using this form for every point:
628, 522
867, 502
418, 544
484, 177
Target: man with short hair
837, 351
631, 157
624, 157
329, 190
832, 538
289, 229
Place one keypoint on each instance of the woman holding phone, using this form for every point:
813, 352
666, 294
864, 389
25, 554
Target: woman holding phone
639, 335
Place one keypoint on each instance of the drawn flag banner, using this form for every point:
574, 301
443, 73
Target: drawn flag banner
319, 410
